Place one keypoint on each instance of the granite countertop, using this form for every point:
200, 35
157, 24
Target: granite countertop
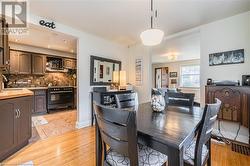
13, 93
37, 88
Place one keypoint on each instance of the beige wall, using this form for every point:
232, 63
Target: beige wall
175, 67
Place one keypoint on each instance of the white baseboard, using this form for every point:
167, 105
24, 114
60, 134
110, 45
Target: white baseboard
83, 124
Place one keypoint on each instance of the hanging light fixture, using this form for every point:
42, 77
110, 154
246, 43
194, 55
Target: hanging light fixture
152, 36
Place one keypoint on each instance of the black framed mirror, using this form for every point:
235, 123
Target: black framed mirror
101, 70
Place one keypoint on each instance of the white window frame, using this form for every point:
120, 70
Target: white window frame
180, 79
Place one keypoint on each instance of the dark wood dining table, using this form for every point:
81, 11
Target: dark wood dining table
168, 132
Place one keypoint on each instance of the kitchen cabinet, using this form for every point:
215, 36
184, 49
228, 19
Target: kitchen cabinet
69, 63
40, 101
24, 63
38, 64
75, 98
4, 43
14, 62
20, 62
15, 124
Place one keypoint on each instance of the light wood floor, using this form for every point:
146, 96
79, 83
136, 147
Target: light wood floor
78, 148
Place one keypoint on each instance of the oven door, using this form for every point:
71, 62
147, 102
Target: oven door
60, 99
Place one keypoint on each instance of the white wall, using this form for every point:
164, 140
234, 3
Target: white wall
144, 90
88, 45
225, 35
175, 67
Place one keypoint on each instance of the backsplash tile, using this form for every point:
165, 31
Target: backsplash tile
56, 79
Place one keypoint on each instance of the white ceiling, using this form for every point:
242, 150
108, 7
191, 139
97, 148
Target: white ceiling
180, 48
45, 38
123, 20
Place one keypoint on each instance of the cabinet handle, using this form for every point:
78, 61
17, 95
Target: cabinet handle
16, 113
19, 113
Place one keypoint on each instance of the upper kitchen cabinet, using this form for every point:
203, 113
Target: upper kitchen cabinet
24, 63
20, 62
38, 64
14, 62
69, 63
4, 43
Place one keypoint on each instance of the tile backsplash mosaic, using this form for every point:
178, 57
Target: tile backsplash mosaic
53, 79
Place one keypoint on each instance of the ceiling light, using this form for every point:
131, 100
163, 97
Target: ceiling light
152, 36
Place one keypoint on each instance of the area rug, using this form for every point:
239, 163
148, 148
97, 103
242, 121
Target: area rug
38, 121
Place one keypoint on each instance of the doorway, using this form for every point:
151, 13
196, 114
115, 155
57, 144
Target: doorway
161, 77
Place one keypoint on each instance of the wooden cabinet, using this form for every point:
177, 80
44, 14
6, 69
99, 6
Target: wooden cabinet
20, 62
15, 124
24, 63
75, 98
69, 63
14, 62
4, 43
38, 64
40, 101
7, 127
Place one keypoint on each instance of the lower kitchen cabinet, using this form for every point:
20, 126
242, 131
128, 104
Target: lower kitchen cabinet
40, 101
15, 124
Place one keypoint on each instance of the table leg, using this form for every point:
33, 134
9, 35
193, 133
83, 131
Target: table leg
98, 147
175, 158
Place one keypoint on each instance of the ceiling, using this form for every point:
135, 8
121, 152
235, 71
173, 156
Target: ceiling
45, 38
123, 20
180, 48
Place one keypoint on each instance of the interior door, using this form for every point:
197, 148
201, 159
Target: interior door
7, 127
24, 121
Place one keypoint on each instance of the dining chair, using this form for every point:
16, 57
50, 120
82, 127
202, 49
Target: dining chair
126, 100
199, 152
117, 128
179, 99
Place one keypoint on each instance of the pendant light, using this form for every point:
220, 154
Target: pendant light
152, 36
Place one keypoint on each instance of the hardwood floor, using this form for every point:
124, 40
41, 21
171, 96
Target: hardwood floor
78, 148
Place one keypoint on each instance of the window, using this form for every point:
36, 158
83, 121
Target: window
190, 76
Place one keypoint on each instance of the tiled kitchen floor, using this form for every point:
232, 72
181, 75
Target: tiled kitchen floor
58, 124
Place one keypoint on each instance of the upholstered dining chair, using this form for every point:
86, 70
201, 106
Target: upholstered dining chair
199, 152
179, 99
117, 128
126, 100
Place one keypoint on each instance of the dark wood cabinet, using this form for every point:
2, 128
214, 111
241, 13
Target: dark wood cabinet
24, 63
20, 62
14, 62
7, 127
40, 101
69, 63
75, 97
4, 43
38, 64
15, 124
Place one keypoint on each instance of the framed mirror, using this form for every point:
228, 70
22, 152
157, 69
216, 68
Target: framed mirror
101, 70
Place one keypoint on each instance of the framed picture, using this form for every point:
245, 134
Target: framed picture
173, 74
138, 71
225, 58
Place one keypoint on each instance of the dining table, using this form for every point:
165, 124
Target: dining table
169, 132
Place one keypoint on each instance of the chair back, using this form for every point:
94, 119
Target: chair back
204, 134
118, 130
126, 100
180, 99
